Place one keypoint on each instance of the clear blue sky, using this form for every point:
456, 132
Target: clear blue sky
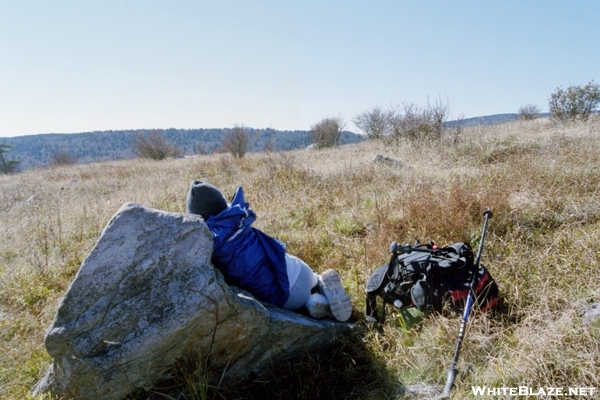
78, 66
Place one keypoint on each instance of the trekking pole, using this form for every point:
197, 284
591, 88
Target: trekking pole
453, 371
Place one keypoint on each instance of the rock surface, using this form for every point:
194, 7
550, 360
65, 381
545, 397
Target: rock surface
591, 313
420, 392
147, 296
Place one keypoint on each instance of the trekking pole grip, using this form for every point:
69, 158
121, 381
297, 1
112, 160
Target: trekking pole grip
487, 214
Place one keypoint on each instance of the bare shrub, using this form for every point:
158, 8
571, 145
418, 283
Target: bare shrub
529, 112
575, 102
200, 149
327, 132
270, 146
376, 123
235, 141
62, 157
414, 123
155, 146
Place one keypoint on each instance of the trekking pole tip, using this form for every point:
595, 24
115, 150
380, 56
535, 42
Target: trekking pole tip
450, 377
488, 213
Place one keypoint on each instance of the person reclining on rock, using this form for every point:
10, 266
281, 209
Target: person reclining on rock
258, 263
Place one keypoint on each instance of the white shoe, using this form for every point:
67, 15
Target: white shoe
318, 306
339, 301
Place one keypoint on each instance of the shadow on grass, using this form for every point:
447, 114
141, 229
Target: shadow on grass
344, 370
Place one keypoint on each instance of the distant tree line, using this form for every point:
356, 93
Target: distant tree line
52, 149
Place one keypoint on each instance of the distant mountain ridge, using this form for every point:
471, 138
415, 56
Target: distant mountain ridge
489, 119
36, 150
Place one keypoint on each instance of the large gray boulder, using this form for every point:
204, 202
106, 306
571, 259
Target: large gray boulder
147, 296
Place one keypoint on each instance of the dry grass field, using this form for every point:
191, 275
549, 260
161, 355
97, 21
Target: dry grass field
335, 208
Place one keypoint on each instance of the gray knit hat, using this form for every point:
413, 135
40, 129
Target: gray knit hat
205, 199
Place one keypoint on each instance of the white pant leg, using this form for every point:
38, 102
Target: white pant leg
300, 287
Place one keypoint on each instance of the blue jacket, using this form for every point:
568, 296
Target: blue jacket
247, 257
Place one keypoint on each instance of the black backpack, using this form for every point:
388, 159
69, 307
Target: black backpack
427, 277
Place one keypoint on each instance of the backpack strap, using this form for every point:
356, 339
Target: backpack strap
377, 286
376, 281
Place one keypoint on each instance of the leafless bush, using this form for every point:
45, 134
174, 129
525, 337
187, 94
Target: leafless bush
376, 123
200, 149
454, 131
235, 141
327, 132
62, 157
155, 146
414, 123
529, 112
270, 146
